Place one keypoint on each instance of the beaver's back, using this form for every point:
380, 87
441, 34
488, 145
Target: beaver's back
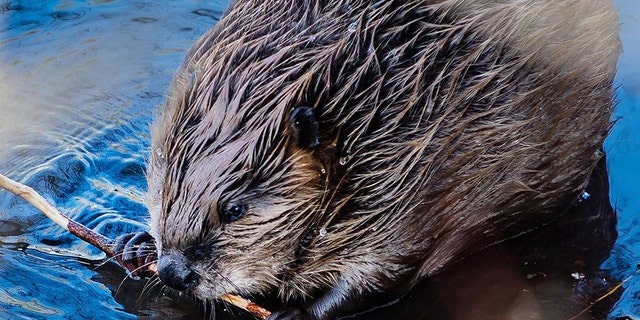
531, 117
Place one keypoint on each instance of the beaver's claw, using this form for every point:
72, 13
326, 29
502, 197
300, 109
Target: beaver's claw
135, 252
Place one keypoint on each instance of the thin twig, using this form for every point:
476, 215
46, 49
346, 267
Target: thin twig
101, 242
27, 193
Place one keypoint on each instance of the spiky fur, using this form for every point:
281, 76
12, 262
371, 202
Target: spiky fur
445, 126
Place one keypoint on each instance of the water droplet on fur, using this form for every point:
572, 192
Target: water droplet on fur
159, 153
599, 153
577, 275
352, 26
344, 160
323, 231
584, 196
323, 171
312, 39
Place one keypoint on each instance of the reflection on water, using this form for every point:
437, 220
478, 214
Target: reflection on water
80, 84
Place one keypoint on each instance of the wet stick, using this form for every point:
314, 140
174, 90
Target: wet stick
82, 232
101, 242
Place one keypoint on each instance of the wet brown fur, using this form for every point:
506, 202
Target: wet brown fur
445, 126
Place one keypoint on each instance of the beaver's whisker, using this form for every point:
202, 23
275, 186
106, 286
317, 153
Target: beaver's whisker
120, 285
143, 266
149, 285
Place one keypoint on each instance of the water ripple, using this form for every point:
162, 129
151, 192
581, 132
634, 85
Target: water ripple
85, 79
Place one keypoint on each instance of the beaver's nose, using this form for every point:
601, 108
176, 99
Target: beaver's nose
176, 272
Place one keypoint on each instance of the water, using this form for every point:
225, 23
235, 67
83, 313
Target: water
81, 81
623, 149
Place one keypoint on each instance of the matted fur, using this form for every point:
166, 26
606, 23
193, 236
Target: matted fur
445, 126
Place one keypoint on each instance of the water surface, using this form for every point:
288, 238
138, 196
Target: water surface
81, 81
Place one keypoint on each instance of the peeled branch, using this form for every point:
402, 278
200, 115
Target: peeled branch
101, 242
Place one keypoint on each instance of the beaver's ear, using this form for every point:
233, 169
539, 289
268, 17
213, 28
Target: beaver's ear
304, 127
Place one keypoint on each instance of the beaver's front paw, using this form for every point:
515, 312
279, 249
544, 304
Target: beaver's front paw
136, 252
290, 314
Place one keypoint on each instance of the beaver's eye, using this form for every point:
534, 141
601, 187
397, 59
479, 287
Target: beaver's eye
233, 212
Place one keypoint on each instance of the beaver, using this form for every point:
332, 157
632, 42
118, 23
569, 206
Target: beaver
334, 152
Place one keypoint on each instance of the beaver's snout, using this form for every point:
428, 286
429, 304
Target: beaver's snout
176, 272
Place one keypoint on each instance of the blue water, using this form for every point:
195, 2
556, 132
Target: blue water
80, 83
623, 150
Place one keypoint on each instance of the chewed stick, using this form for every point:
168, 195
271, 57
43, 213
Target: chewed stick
242, 303
101, 242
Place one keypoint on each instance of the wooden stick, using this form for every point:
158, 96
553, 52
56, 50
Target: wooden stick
101, 242
27, 193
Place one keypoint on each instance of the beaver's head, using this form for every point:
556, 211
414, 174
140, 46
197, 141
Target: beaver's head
240, 189
233, 179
